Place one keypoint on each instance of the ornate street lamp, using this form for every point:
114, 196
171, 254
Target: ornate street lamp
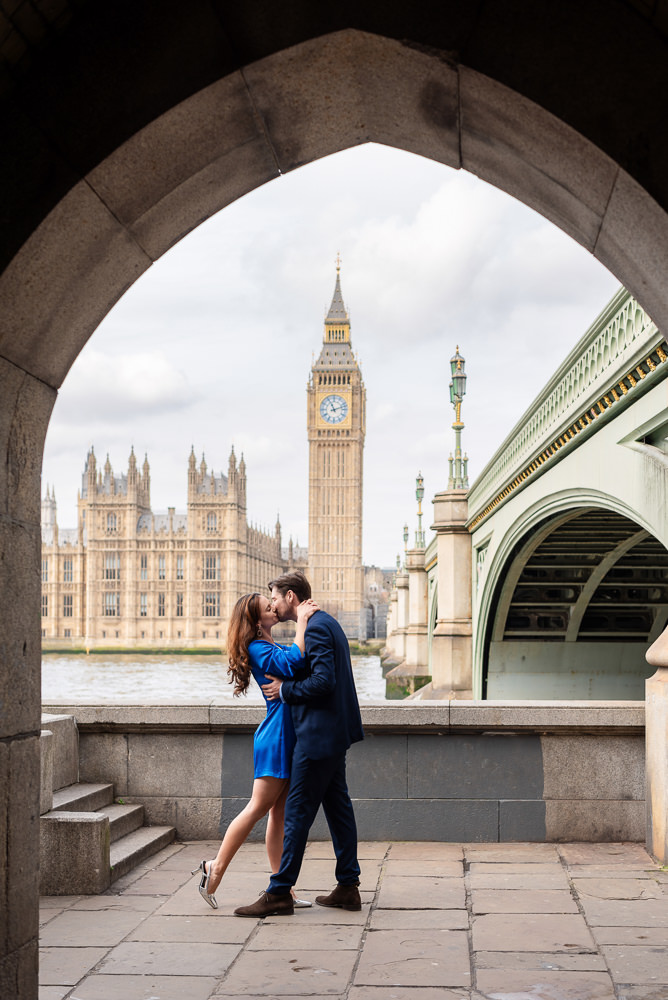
419, 494
458, 478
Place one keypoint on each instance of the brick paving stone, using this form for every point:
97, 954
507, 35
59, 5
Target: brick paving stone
276, 936
427, 851
271, 995
318, 876
540, 960
231, 893
644, 992
66, 966
605, 854
619, 888
612, 871
321, 915
647, 936
404, 892
530, 869
160, 883
131, 904
366, 850
511, 852
449, 920
221, 930
407, 993
97, 928
635, 964
414, 958
531, 932
291, 973
100, 987
153, 958
57, 902
422, 867
47, 915
523, 985
556, 879
523, 901
625, 912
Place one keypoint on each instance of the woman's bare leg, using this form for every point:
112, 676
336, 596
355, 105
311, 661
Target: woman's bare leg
266, 791
275, 826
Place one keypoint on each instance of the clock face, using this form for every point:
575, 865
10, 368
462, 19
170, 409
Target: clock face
333, 409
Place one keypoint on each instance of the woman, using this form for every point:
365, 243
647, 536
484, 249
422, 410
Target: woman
252, 651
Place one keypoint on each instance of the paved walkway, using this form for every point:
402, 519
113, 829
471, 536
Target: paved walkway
438, 922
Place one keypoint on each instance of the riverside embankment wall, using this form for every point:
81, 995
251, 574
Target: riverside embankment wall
448, 771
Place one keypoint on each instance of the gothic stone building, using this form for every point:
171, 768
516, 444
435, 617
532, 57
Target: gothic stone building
128, 577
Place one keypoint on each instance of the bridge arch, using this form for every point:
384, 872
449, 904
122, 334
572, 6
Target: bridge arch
127, 125
573, 598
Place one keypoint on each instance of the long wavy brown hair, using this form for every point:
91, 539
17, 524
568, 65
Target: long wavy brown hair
241, 631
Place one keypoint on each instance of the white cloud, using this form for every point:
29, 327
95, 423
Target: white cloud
212, 346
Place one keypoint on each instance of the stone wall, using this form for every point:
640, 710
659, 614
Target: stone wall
453, 771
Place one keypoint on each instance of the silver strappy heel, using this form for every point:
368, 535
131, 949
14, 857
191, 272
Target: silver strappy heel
204, 884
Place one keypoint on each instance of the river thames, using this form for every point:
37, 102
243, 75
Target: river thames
106, 679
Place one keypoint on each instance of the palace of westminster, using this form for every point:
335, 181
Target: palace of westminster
128, 577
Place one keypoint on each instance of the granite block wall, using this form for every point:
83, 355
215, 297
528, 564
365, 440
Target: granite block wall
413, 785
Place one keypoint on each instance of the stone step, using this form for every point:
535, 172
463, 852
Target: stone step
135, 847
123, 819
83, 797
65, 752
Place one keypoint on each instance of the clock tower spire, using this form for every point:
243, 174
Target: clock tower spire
336, 429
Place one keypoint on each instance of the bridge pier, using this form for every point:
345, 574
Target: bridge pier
451, 661
656, 750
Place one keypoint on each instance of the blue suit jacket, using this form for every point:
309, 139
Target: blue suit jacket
322, 697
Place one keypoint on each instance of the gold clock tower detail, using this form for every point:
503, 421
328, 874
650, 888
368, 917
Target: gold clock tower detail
336, 427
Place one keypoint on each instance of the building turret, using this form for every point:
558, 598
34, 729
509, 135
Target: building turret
242, 482
49, 528
232, 470
89, 478
192, 473
108, 476
133, 477
146, 482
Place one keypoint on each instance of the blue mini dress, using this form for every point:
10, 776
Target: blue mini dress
274, 738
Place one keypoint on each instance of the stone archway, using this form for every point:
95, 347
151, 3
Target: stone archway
582, 596
127, 125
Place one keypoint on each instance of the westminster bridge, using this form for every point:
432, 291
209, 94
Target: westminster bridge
548, 579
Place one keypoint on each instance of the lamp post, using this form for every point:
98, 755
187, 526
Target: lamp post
419, 494
458, 478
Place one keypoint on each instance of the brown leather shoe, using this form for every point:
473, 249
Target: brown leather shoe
347, 897
268, 905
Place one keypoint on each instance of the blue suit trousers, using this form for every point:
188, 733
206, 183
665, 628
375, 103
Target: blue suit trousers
314, 783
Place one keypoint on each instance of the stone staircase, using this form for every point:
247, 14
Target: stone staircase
87, 840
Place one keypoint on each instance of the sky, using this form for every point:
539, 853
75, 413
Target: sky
212, 347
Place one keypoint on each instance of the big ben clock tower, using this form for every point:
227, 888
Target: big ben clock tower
336, 427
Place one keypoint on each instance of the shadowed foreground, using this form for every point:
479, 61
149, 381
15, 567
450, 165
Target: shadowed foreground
438, 922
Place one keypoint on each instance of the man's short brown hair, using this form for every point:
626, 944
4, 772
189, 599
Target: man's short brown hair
296, 582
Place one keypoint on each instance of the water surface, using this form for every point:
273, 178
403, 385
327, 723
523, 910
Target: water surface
117, 678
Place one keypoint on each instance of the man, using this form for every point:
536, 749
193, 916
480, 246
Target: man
327, 720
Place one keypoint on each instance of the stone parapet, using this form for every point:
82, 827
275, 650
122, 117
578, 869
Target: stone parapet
425, 771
